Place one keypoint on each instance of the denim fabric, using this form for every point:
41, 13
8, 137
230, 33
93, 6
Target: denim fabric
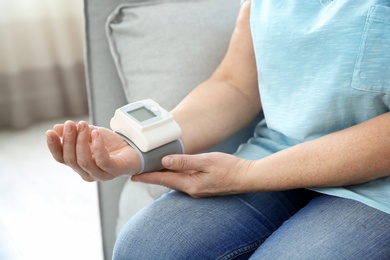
179, 227
264, 225
330, 228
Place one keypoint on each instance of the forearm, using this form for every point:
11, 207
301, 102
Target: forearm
351, 156
213, 112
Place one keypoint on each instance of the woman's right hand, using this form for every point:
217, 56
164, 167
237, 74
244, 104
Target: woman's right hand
95, 153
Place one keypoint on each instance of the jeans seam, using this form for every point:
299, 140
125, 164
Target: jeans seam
242, 250
269, 225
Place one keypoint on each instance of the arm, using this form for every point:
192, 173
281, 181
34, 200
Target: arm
205, 117
228, 100
355, 155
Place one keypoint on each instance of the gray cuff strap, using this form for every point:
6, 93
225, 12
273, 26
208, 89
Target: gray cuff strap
151, 161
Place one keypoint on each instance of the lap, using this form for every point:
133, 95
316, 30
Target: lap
330, 228
179, 227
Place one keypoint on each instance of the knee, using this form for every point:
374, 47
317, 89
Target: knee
139, 240
154, 233
157, 239
123, 248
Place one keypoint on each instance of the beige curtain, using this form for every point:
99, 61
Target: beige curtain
41, 61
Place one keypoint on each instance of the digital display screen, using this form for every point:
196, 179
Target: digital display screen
141, 114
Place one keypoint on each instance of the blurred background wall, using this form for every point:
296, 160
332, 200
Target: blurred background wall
41, 61
46, 211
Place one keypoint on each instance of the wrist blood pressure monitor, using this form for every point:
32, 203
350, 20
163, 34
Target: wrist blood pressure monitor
150, 130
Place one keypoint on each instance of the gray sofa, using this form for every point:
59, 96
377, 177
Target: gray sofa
149, 49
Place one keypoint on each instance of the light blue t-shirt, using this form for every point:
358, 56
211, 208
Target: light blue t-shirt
322, 66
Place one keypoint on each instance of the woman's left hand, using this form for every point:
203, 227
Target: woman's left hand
201, 175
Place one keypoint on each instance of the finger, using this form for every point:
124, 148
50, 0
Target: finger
190, 183
172, 180
55, 146
83, 152
59, 128
91, 128
69, 149
184, 162
69, 143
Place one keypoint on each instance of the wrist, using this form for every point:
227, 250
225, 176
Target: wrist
151, 160
135, 164
246, 182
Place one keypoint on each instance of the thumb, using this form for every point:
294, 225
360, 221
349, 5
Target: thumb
182, 162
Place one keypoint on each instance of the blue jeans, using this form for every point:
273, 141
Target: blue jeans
296, 224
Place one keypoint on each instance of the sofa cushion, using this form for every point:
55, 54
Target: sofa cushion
163, 49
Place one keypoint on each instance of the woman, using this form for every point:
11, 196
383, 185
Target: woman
313, 182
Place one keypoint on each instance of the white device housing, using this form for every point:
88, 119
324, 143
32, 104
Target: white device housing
146, 124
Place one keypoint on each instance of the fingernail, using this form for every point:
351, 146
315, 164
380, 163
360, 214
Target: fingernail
167, 161
81, 126
95, 134
48, 137
68, 128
